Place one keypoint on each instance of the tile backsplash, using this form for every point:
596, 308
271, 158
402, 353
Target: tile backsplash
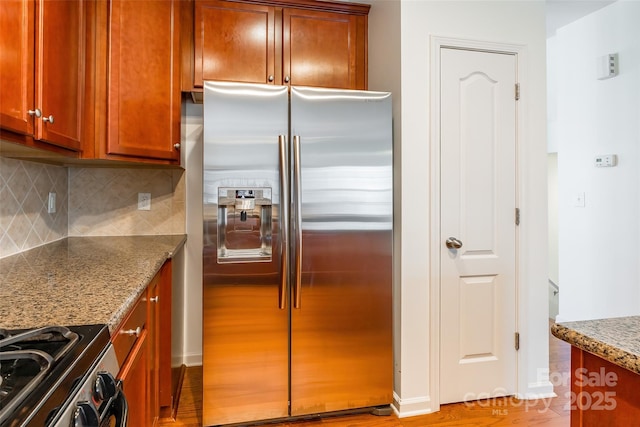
104, 202
24, 192
89, 202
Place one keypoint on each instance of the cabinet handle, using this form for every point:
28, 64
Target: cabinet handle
35, 112
154, 299
48, 119
286, 79
137, 331
271, 77
176, 146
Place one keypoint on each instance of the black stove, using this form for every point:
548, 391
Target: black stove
41, 368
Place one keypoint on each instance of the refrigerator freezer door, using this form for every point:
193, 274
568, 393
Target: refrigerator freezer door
245, 340
341, 331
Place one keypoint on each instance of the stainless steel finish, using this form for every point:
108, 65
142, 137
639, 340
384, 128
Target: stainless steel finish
98, 395
177, 145
270, 77
245, 329
48, 119
286, 79
44, 360
453, 243
332, 243
137, 331
35, 112
297, 225
284, 226
341, 337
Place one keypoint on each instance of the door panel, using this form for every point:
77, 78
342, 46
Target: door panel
16, 67
234, 42
478, 200
321, 48
60, 75
246, 333
341, 333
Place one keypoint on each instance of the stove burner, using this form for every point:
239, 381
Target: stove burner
25, 360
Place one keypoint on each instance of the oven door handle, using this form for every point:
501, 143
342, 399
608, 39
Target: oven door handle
118, 408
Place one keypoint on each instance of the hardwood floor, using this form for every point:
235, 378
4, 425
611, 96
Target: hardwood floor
495, 412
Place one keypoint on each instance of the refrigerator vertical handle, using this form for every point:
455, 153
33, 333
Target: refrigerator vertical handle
298, 224
284, 221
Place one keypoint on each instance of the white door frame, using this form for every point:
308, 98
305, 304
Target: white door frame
436, 43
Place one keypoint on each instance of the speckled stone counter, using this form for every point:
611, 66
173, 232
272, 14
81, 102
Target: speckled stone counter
616, 340
80, 280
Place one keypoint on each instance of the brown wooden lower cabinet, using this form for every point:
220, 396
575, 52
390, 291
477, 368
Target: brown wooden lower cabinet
602, 393
140, 346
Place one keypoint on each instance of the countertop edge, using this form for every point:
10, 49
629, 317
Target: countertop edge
608, 352
119, 316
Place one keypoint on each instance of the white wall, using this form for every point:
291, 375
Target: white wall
192, 151
598, 243
520, 22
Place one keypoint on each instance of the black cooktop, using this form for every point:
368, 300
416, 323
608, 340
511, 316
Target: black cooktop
40, 369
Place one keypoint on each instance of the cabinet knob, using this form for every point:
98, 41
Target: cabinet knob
271, 77
286, 79
154, 299
137, 331
35, 112
176, 146
48, 119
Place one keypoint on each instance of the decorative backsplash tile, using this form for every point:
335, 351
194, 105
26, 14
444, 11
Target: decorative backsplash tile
89, 202
24, 194
104, 202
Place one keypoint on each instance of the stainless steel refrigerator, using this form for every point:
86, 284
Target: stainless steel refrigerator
297, 251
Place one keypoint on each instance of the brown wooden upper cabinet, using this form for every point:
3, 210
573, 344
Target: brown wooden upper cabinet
42, 71
136, 69
297, 42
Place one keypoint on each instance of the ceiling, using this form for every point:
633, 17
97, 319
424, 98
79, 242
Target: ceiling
563, 12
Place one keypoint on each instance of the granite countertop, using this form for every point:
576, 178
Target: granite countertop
80, 280
616, 340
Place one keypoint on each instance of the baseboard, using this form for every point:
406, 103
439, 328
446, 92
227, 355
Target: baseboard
539, 390
192, 360
411, 407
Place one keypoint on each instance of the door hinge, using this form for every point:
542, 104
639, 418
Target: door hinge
517, 341
517, 91
517, 216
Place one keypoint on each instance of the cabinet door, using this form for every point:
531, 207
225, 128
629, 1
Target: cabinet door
144, 80
59, 71
324, 49
234, 42
16, 67
134, 380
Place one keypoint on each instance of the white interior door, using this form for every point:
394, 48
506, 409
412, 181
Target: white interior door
478, 201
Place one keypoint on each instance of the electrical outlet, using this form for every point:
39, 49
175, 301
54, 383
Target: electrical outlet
51, 203
144, 201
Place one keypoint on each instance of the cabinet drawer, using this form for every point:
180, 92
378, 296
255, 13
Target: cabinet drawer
125, 337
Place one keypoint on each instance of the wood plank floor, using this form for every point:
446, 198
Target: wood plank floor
496, 412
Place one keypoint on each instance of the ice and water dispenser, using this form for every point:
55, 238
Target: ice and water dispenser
244, 224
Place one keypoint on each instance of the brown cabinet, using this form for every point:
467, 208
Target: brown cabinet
42, 71
140, 344
135, 81
304, 43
